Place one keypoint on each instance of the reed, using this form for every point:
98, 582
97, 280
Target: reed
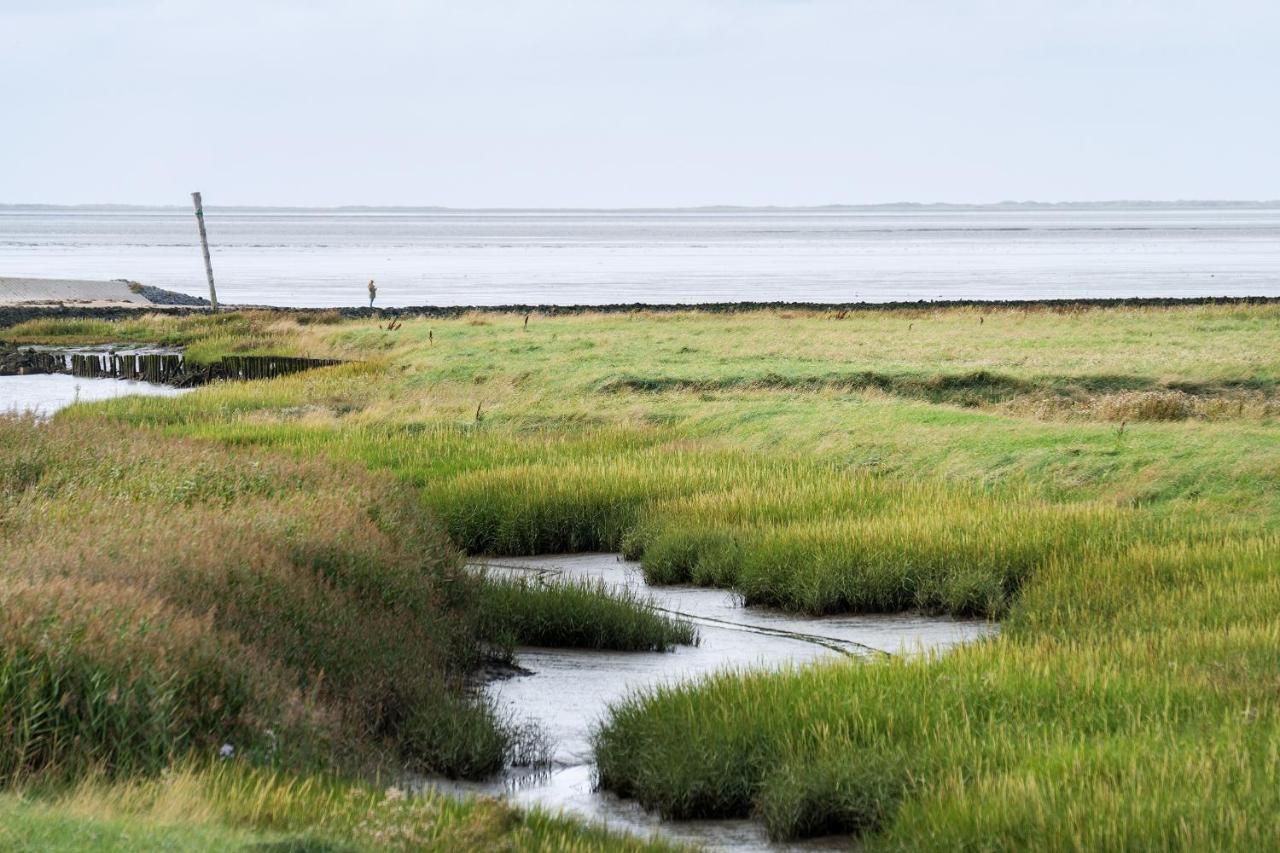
189, 597
330, 583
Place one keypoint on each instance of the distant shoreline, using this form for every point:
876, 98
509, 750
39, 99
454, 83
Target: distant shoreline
12, 314
883, 207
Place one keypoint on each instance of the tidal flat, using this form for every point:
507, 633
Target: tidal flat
1099, 481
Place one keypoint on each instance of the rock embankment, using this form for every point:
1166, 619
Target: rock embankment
13, 313
18, 362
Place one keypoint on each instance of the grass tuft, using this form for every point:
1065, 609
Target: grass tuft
578, 614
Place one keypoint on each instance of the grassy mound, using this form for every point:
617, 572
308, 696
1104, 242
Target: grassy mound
163, 596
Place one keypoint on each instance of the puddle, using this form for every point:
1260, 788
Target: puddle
569, 691
42, 394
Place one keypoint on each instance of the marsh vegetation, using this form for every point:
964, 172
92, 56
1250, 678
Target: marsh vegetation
168, 602
1102, 481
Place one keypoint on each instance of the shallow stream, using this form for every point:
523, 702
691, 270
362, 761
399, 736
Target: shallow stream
567, 692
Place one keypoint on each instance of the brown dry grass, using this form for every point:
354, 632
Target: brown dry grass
227, 594
1165, 405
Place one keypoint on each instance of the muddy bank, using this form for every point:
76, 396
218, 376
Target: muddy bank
12, 314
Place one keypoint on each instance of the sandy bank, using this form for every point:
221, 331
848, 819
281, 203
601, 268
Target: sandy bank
87, 294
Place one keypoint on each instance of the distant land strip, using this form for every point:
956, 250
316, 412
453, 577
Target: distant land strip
12, 314
873, 207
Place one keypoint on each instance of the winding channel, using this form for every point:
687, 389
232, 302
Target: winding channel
567, 692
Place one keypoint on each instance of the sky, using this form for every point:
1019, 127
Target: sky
643, 103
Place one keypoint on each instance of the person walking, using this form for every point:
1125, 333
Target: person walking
373, 292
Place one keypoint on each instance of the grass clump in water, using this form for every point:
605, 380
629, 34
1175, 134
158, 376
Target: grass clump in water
580, 614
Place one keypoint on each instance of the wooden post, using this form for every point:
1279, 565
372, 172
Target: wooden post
204, 246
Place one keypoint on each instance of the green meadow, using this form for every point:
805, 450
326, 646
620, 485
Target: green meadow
1101, 481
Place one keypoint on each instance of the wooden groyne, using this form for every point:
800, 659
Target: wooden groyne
267, 366
167, 368
160, 368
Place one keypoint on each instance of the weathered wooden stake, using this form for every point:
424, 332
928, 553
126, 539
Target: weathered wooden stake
204, 246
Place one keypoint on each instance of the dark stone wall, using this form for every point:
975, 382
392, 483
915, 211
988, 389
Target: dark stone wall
10, 315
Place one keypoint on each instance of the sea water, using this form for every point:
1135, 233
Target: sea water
443, 257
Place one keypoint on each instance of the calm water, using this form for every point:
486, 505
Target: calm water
43, 394
567, 692
323, 258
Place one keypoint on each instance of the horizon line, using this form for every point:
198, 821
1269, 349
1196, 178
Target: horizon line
875, 206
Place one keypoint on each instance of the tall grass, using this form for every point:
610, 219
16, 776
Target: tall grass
189, 596
798, 535
192, 596
94, 676
835, 542
577, 614
1126, 673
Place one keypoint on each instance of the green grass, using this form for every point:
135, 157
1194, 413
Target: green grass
578, 614
1103, 481
205, 338
232, 807
548, 382
1120, 693
826, 540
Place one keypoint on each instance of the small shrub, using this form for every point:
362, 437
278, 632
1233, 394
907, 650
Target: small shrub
328, 317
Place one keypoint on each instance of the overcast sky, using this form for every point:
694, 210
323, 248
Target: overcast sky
558, 103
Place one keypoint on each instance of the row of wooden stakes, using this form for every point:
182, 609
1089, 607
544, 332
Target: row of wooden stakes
160, 368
